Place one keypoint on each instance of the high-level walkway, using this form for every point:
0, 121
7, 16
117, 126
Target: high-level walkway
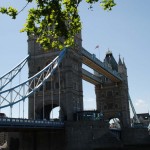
89, 77
94, 63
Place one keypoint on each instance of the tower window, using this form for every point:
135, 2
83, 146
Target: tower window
103, 95
39, 68
117, 93
75, 86
41, 88
75, 66
110, 106
105, 107
116, 105
48, 85
57, 85
109, 93
60, 65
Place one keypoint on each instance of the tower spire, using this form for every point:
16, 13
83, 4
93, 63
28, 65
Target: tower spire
124, 63
120, 62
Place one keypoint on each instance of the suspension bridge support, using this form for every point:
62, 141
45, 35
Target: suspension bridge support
63, 89
112, 97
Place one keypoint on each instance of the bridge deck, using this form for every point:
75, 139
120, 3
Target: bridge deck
87, 76
11, 124
94, 63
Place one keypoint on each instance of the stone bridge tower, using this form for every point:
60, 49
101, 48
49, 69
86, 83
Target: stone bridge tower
112, 98
47, 98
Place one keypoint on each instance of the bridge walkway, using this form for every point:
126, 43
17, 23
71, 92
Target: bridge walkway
89, 77
94, 63
19, 124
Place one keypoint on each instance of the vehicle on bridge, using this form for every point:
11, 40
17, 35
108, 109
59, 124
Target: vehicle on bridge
3, 115
88, 115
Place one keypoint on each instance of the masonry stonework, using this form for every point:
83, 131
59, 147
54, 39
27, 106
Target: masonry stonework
112, 98
68, 76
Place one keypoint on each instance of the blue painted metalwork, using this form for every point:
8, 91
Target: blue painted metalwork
8, 77
18, 122
22, 91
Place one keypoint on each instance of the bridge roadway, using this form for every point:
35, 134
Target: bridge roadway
18, 124
23, 125
94, 63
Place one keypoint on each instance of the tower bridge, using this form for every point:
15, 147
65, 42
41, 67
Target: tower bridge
55, 79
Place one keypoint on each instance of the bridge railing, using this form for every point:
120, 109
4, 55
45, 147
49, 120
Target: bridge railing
30, 123
97, 61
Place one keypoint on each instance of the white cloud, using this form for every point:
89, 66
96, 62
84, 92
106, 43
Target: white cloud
141, 106
140, 103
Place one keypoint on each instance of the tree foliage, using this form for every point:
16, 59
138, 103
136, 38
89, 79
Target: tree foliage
54, 22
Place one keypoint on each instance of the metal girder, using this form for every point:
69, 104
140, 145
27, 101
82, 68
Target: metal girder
8, 77
22, 91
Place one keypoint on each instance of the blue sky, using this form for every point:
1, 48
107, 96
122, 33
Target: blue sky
125, 31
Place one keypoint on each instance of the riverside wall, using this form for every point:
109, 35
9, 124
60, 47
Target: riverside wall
78, 136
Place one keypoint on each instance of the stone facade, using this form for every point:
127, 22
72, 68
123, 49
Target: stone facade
112, 98
70, 75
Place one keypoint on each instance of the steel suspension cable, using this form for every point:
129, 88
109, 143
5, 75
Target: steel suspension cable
19, 95
52, 94
34, 103
59, 90
23, 100
11, 99
43, 99
23, 108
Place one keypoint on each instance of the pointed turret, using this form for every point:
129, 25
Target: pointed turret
120, 62
122, 68
124, 64
110, 61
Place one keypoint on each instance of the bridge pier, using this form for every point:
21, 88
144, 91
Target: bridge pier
135, 136
37, 140
89, 135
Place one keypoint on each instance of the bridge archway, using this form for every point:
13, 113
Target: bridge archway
49, 111
54, 114
57, 113
115, 123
